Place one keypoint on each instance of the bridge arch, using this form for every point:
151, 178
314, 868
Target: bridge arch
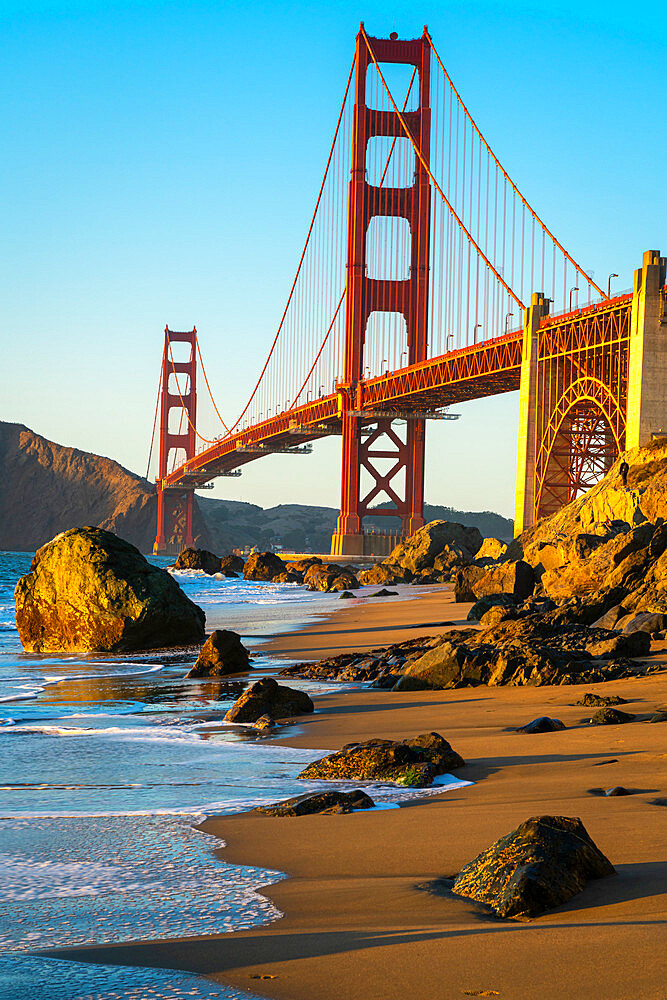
584, 435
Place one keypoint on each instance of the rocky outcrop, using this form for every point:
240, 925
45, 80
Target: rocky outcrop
263, 566
231, 565
267, 697
540, 865
198, 559
526, 650
223, 653
415, 762
613, 538
445, 538
591, 700
320, 802
89, 591
387, 662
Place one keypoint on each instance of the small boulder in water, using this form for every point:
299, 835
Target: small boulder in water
319, 802
223, 653
267, 697
89, 591
199, 559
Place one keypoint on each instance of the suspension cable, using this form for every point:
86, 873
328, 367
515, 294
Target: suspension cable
426, 167
157, 407
495, 159
201, 362
305, 247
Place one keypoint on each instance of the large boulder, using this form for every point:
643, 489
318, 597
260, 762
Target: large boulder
267, 697
223, 653
199, 559
514, 578
420, 550
263, 566
415, 762
89, 591
540, 865
319, 802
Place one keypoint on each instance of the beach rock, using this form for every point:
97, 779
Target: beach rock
484, 604
421, 548
380, 574
223, 653
90, 591
385, 593
540, 865
497, 614
464, 581
414, 761
617, 790
659, 716
439, 668
287, 577
319, 802
514, 578
330, 578
265, 722
650, 622
591, 700
542, 725
231, 564
610, 618
267, 697
199, 559
263, 566
621, 644
302, 565
346, 595
490, 549
610, 717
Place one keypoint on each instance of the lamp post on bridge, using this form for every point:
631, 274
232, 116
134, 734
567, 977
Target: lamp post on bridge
609, 284
575, 288
474, 332
450, 336
507, 322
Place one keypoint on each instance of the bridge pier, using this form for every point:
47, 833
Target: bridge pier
647, 369
525, 468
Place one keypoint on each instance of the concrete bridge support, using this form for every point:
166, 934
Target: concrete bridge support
647, 373
593, 384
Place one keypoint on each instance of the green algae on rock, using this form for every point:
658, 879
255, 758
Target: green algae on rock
421, 759
540, 865
89, 591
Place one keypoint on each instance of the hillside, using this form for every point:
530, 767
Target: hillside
47, 488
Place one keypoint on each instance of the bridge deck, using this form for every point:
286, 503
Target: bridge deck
470, 373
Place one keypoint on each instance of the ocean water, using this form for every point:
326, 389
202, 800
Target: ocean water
108, 764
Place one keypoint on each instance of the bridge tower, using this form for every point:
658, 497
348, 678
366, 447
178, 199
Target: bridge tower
365, 295
178, 398
593, 384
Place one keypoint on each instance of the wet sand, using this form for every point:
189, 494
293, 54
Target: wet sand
358, 927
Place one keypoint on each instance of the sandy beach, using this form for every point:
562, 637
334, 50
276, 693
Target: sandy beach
358, 921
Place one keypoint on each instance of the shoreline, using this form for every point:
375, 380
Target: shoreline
356, 925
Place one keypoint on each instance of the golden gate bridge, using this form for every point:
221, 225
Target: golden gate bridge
416, 290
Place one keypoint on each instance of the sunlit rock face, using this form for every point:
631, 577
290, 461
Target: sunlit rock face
89, 591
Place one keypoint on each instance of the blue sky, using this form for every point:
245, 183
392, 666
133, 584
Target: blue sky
161, 162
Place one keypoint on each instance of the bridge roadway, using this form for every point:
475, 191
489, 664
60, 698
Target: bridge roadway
485, 369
